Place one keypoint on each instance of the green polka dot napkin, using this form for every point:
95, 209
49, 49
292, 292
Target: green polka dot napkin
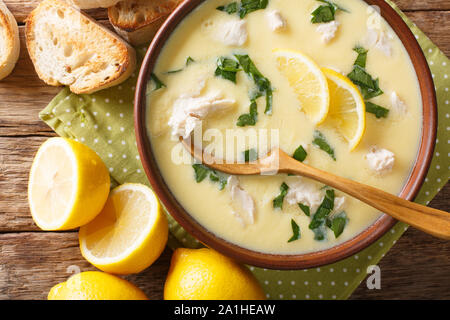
104, 122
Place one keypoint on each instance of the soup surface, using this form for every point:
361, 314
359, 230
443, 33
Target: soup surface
202, 80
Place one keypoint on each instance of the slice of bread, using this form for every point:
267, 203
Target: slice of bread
91, 4
9, 41
137, 21
69, 48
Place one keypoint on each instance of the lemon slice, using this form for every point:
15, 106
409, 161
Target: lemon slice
68, 185
347, 112
129, 234
308, 82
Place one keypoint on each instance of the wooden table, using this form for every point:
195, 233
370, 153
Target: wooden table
32, 261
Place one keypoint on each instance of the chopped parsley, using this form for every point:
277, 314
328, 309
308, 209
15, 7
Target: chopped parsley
295, 230
337, 223
300, 154
377, 110
305, 209
244, 8
249, 119
263, 85
319, 219
158, 83
230, 8
219, 178
362, 57
321, 142
189, 60
248, 6
250, 155
326, 12
278, 201
369, 87
227, 68
201, 172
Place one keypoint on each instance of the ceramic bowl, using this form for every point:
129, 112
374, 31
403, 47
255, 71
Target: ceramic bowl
300, 261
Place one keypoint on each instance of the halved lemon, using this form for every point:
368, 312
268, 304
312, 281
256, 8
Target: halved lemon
308, 82
347, 113
68, 185
129, 234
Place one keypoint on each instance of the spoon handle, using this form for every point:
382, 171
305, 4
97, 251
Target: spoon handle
429, 220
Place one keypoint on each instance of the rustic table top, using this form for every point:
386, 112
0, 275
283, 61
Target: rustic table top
32, 261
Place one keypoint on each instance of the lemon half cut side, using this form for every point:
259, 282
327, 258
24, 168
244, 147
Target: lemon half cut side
68, 185
129, 234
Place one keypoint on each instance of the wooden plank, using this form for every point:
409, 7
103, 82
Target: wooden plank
21, 8
16, 155
414, 5
436, 25
416, 268
32, 263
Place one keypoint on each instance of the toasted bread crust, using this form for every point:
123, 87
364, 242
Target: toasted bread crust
91, 4
92, 49
11, 43
138, 20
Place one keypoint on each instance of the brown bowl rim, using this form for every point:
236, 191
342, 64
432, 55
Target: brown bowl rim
283, 261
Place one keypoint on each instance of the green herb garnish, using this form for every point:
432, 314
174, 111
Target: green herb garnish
305, 209
221, 179
377, 110
249, 119
300, 154
263, 85
295, 230
248, 6
369, 87
230, 8
189, 60
319, 233
158, 83
201, 172
326, 12
322, 213
337, 223
362, 57
278, 201
250, 155
227, 68
321, 142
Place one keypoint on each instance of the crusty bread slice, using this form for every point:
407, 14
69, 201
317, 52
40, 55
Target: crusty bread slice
137, 21
9, 41
91, 4
69, 48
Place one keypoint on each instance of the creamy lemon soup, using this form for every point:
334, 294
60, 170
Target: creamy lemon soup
329, 83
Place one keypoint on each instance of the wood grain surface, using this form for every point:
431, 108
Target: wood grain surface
31, 261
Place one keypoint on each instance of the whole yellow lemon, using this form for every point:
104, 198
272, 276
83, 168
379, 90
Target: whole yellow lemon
204, 274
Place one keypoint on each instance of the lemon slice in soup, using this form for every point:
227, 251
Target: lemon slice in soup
308, 82
347, 113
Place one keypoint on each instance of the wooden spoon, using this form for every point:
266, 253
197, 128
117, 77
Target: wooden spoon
429, 220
